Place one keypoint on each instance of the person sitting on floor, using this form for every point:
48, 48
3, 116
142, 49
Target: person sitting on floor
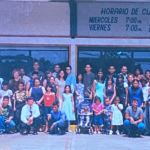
134, 117
57, 120
6, 116
30, 116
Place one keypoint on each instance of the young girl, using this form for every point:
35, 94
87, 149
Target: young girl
98, 109
49, 98
79, 90
68, 105
117, 118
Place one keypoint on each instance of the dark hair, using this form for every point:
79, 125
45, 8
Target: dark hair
64, 75
116, 98
97, 98
111, 66
47, 72
141, 80
147, 71
86, 108
97, 77
117, 80
56, 103
135, 100
6, 97
69, 67
21, 82
36, 61
36, 79
88, 64
69, 87
22, 68
5, 83
56, 65
29, 98
109, 78
77, 78
135, 80
52, 77
107, 98
49, 85
124, 66
34, 72
139, 68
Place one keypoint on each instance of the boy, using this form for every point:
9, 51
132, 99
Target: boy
107, 116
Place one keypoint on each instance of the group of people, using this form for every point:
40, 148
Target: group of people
116, 102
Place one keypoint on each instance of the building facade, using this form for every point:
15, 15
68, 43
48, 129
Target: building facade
74, 32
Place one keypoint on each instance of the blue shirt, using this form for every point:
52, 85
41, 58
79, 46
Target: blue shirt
59, 117
71, 80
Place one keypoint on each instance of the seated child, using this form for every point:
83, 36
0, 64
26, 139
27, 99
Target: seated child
98, 109
86, 116
107, 116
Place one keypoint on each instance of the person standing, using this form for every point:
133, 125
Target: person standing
111, 72
88, 79
6, 116
110, 89
23, 76
30, 116
124, 71
36, 67
130, 78
47, 79
19, 98
60, 82
138, 72
1, 81
98, 86
57, 70
71, 79
68, 105
5, 92
147, 75
13, 83
134, 117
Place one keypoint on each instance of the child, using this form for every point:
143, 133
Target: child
68, 105
49, 98
79, 90
98, 109
86, 116
117, 118
107, 116
5, 92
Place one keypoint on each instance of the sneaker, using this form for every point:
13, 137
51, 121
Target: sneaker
1, 132
69, 131
86, 125
99, 132
110, 132
95, 132
117, 132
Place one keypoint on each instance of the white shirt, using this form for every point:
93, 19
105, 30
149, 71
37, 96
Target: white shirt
5, 93
27, 112
145, 92
125, 77
25, 78
54, 74
1, 80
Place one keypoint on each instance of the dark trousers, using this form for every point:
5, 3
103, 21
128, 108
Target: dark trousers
61, 126
107, 124
35, 124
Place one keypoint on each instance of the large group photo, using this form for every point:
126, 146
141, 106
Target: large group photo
94, 103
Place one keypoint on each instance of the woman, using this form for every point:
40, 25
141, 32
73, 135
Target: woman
122, 91
147, 75
135, 92
138, 72
98, 86
110, 89
48, 75
60, 83
37, 92
130, 78
13, 83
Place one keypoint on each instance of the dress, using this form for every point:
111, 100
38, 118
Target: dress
61, 87
67, 106
80, 90
99, 90
110, 92
117, 118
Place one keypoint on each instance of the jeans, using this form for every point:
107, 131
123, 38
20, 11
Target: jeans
4, 126
98, 120
138, 128
48, 110
107, 123
146, 119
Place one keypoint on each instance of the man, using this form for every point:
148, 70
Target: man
57, 120
6, 116
29, 116
56, 73
23, 76
36, 67
71, 79
134, 117
124, 71
111, 72
88, 79
30, 82
1, 81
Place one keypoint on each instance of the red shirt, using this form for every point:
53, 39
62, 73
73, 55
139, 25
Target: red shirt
49, 99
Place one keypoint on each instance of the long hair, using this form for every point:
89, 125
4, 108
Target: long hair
117, 80
139, 68
97, 77
77, 78
69, 88
64, 75
36, 79
109, 78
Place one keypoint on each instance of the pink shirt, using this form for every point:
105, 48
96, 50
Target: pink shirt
97, 107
